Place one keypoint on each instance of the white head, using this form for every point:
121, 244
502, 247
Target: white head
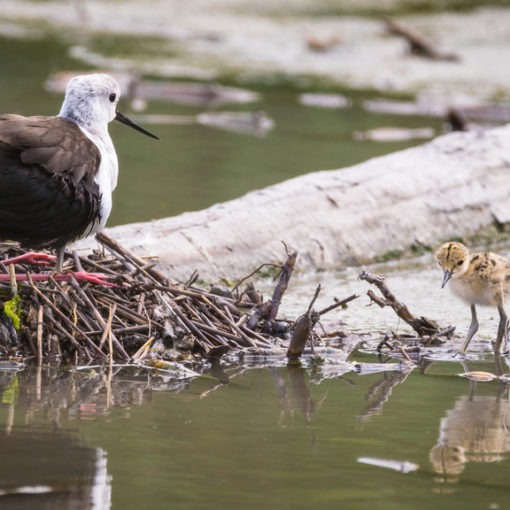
91, 100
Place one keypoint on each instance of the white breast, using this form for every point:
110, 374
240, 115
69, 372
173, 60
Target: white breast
106, 177
472, 291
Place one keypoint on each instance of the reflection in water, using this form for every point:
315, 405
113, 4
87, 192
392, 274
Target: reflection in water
380, 392
300, 392
80, 394
475, 430
198, 427
46, 468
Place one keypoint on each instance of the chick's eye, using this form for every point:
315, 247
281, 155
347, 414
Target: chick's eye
112, 97
460, 262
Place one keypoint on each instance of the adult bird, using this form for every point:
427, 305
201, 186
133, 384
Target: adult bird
57, 174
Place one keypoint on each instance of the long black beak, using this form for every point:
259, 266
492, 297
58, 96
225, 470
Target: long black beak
122, 118
447, 276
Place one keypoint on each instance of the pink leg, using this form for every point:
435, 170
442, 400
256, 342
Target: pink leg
99, 278
37, 259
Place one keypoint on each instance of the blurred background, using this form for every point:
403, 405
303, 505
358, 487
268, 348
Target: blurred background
248, 94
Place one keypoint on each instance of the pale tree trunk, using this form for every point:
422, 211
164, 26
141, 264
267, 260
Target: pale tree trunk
452, 186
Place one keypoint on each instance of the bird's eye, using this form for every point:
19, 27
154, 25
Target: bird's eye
460, 262
112, 97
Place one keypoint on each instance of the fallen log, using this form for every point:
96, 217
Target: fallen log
454, 185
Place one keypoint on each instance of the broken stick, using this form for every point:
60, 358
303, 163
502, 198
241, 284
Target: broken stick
422, 325
418, 45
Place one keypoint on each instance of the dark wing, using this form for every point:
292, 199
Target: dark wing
47, 192
58, 145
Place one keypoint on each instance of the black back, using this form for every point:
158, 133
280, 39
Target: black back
48, 196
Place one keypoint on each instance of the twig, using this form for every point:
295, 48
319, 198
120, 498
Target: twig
40, 318
303, 329
98, 316
422, 325
279, 290
417, 43
109, 329
108, 241
12, 280
341, 303
255, 271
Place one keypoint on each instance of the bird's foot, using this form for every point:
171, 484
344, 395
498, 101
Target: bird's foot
97, 278
36, 259
80, 276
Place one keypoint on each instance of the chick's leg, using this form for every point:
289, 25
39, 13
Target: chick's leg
473, 328
502, 329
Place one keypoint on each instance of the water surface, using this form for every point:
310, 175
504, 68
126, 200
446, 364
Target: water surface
268, 439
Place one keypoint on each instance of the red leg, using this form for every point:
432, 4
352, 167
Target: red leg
99, 278
37, 259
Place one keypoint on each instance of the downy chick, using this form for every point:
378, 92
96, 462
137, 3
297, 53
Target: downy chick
478, 279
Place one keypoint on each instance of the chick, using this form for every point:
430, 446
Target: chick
478, 279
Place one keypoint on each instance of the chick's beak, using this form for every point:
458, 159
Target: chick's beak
122, 118
447, 276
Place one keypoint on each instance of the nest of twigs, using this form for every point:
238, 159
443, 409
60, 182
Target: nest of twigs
85, 321
82, 321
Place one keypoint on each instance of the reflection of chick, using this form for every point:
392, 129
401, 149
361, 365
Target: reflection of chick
448, 460
477, 279
475, 430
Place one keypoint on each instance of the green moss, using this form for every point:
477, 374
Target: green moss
390, 255
269, 271
421, 249
327, 8
12, 310
10, 393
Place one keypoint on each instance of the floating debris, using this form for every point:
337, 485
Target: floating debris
400, 466
11, 366
172, 368
177, 120
188, 93
325, 100
28, 489
255, 123
464, 109
194, 93
394, 134
396, 107
374, 368
322, 44
479, 376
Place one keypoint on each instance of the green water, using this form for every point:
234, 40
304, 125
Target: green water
269, 439
194, 167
